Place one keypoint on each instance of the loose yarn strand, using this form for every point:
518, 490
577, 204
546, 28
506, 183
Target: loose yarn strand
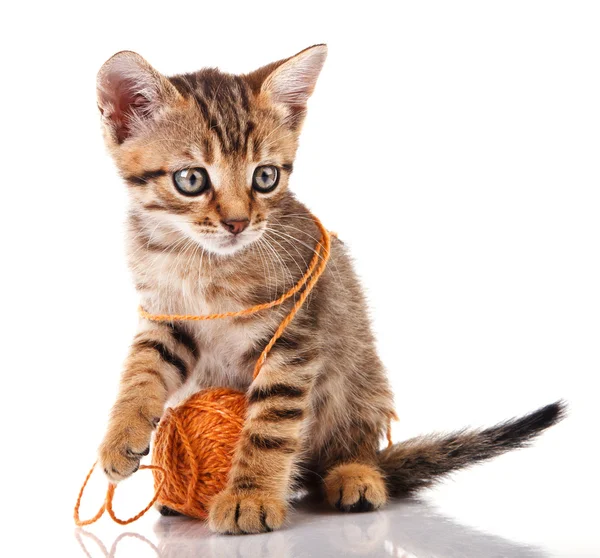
107, 506
83, 522
323, 251
111, 493
388, 434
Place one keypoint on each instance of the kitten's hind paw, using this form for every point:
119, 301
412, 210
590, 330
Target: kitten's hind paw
355, 487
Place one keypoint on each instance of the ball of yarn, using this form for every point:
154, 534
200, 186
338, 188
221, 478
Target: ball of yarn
194, 444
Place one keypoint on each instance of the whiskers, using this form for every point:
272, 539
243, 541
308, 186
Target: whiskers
190, 265
285, 232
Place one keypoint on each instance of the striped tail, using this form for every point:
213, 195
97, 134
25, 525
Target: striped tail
421, 462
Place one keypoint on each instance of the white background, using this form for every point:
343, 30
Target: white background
454, 147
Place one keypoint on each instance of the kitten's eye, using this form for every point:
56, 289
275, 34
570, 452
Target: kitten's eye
191, 182
265, 179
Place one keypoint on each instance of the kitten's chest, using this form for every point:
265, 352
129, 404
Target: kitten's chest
226, 350
225, 346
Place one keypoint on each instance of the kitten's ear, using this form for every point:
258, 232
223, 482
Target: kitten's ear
130, 91
292, 81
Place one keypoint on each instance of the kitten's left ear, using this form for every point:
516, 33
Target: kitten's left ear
292, 81
131, 92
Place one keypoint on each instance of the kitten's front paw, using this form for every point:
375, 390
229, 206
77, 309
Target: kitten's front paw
123, 447
239, 512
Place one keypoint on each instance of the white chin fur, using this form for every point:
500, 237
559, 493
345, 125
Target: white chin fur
226, 245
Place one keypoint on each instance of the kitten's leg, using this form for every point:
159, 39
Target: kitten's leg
160, 359
255, 499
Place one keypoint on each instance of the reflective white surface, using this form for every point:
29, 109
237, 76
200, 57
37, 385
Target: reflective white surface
406, 529
403, 530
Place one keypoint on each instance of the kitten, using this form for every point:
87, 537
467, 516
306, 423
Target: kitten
213, 227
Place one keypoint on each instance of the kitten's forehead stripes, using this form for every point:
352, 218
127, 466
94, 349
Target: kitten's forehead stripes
224, 103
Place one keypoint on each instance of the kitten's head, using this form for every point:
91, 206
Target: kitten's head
207, 154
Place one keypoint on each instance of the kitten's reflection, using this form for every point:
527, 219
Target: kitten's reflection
404, 530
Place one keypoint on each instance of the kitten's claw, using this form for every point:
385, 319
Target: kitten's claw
132, 453
121, 451
118, 464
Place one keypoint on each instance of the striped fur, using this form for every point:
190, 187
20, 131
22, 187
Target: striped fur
322, 401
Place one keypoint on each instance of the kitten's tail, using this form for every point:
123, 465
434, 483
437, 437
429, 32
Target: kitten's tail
422, 461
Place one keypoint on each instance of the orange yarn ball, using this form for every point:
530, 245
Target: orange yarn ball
194, 444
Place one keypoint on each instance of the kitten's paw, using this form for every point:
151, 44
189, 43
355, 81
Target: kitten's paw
123, 447
355, 487
233, 512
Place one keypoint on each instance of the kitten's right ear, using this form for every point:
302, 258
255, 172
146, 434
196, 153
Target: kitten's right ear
292, 81
130, 92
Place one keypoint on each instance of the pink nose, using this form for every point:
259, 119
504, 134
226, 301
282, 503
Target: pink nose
235, 226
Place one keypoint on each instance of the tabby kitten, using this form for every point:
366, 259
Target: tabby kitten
213, 227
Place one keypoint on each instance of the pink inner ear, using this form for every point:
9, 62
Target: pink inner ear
124, 100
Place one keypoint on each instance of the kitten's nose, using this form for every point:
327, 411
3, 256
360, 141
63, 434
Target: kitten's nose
235, 226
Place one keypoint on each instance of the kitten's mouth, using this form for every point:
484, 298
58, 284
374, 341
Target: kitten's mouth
231, 241
222, 243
